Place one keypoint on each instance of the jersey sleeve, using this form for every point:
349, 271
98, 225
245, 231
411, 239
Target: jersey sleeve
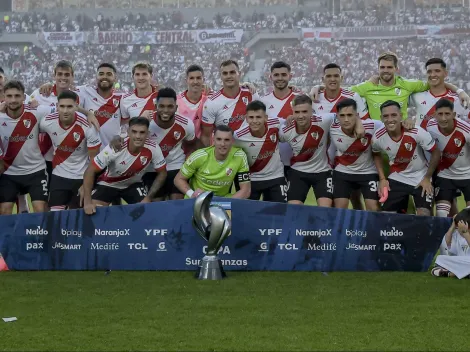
124, 111
243, 172
361, 106
209, 114
92, 138
158, 160
104, 158
328, 120
362, 88
190, 131
415, 85
375, 145
425, 140
80, 91
193, 163
43, 110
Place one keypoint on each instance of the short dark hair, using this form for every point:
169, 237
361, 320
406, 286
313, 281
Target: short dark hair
444, 103
280, 64
139, 121
256, 105
302, 99
1, 70
108, 65
346, 103
67, 94
64, 64
229, 62
166, 93
463, 215
14, 85
390, 103
332, 65
144, 65
194, 68
223, 128
436, 60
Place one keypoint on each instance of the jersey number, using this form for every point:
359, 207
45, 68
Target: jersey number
142, 191
329, 185
284, 189
374, 185
44, 187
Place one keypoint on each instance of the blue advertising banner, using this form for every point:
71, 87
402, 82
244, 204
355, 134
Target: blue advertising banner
265, 236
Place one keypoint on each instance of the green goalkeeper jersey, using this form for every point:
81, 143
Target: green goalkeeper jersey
205, 172
376, 95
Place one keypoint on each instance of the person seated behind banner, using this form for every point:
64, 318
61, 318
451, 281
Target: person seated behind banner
214, 168
454, 260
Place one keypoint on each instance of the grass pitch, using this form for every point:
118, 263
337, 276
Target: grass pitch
250, 311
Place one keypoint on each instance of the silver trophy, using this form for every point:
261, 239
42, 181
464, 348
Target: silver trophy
213, 224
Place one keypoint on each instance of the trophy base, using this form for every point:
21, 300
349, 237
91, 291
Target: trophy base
211, 269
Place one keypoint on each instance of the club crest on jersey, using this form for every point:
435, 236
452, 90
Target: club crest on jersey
143, 160
228, 171
177, 135
397, 91
457, 142
27, 123
76, 136
273, 138
115, 103
245, 100
408, 146
314, 135
364, 141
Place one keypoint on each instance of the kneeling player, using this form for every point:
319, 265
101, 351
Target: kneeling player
409, 172
354, 164
453, 138
73, 140
123, 176
259, 139
213, 169
455, 249
308, 137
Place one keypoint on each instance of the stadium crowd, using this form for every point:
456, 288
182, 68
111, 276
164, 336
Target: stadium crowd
32, 22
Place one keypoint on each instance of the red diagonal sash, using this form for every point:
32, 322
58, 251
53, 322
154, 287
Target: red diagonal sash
267, 150
354, 151
19, 136
66, 148
311, 143
404, 154
140, 163
452, 150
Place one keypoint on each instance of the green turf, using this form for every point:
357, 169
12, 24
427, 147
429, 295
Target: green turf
248, 312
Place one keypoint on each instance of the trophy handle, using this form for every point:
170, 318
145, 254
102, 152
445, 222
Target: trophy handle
202, 216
